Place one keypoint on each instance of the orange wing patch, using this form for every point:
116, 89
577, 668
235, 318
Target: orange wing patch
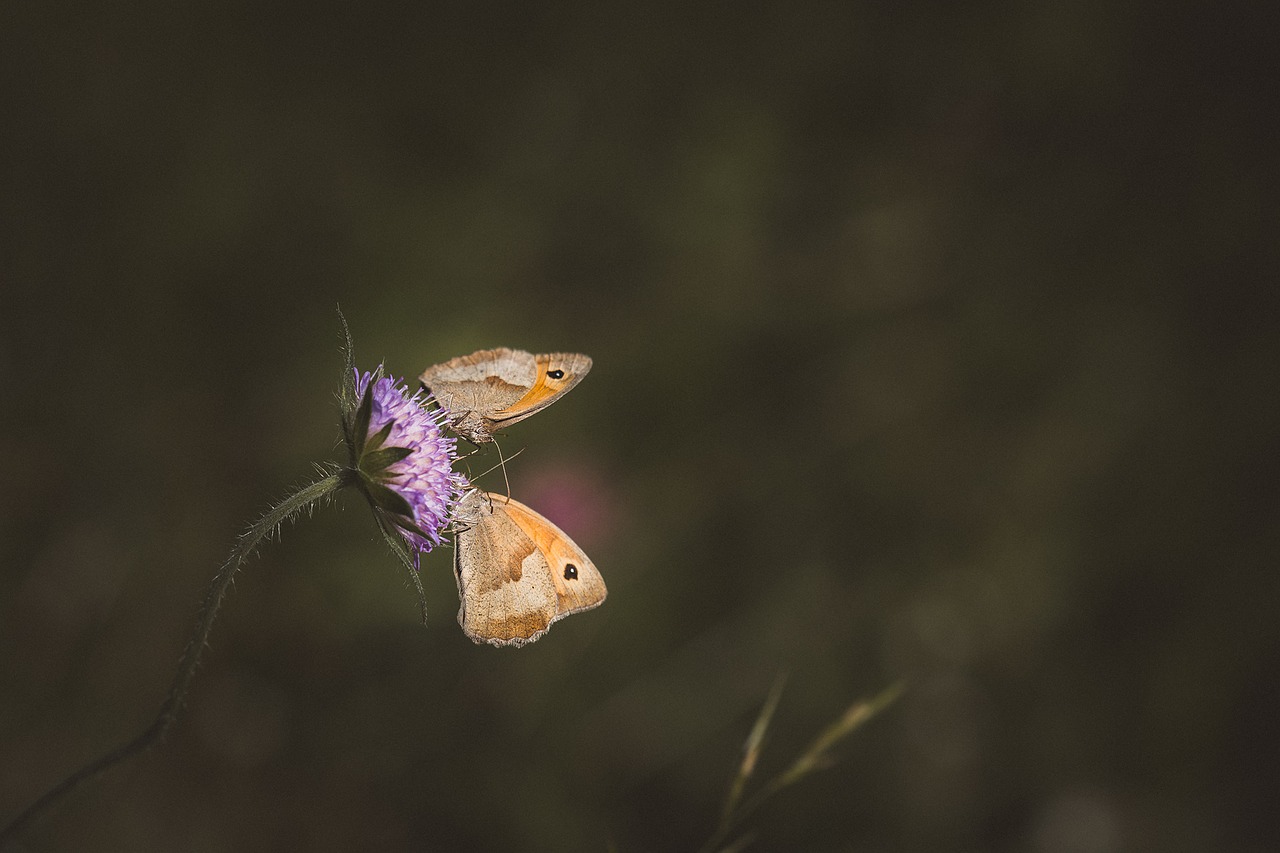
540, 533
553, 544
544, 388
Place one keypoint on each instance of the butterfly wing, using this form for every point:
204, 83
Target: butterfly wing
577, 581
554, 375
517, 572
493, 388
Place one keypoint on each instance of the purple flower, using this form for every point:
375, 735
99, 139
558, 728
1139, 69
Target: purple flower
405, 461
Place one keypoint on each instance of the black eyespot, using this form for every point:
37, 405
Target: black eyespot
570, 572
556, 374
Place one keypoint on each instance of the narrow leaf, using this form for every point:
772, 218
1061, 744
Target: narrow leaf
388, 500
406, 524
375, 461
347, 397
375, 441
360, 429
408, 559
816, 756
751, 749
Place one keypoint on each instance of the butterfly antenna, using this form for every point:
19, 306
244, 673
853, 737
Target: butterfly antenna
504, 470
503, 463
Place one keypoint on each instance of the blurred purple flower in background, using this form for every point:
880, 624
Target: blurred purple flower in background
576, 495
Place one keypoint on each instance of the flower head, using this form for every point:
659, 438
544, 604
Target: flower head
404, 460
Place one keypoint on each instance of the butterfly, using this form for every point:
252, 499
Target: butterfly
493, 388
517, 572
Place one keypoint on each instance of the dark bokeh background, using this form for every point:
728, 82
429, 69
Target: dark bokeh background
931, 343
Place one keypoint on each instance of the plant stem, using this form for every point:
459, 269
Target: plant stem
812, 759
305, 498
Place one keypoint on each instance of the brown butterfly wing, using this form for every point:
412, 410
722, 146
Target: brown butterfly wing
472, 387
579, 585
517, 573
490, 389
554, 375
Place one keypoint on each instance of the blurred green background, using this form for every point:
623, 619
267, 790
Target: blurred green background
931, 343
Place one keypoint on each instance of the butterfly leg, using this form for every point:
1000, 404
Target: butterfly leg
475, 448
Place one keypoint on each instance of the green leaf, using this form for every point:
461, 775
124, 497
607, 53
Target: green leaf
407, 557
347, 396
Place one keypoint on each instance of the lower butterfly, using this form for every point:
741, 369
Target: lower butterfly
517, 572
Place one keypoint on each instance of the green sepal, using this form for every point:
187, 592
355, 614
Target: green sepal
376, 461
404, 522
408, 558
388, 499
375, 441
394, 507
360, 429
407, 524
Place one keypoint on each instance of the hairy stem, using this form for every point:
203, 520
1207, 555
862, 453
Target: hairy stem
305, 498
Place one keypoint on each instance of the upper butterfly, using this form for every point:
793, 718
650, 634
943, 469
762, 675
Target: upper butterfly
493, 388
